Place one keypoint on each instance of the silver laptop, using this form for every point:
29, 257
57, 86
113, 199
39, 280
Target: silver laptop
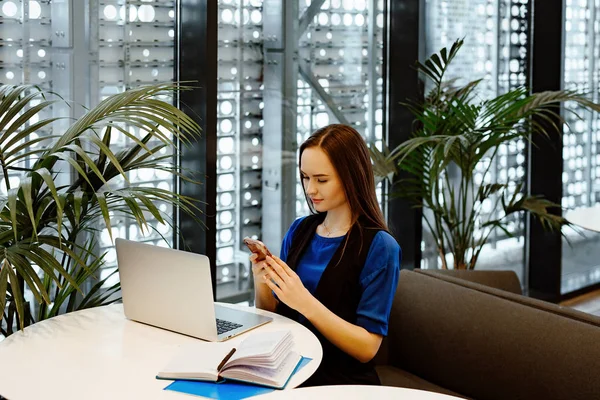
172, 289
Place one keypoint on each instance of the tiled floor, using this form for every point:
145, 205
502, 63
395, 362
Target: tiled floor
589, 303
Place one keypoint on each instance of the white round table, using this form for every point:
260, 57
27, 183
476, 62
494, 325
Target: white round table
585, 217
356, 392
99, 354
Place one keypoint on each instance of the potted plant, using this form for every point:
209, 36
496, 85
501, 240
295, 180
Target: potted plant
48, 230
455, 131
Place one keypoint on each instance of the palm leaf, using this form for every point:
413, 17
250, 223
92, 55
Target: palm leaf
96, 296
3, 284
26, 187
41, 257
87, 161
540, 208
14, 102
31, 278
105, 153
113, 104
543, 99
136, 211
73, 163
129, 135
13, 155
17, 254
17, 294
12, 203
81, 275
147, 202
435, 67
383, 166
22, 120
78, 197
47, 177
102, 204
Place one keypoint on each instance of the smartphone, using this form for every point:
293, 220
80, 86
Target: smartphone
257, 247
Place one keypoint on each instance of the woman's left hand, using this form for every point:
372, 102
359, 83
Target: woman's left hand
287, 284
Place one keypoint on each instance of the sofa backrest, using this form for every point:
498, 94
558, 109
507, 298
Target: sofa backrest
486, 343
505, 280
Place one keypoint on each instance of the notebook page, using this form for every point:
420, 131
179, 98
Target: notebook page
268, 361
197, 360
262, 344
276, 377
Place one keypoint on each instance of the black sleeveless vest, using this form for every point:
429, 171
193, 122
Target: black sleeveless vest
339, 291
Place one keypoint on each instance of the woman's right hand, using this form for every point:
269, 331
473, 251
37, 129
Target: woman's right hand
258, 268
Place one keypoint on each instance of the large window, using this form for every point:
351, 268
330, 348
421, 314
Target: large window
283, 73
581, 156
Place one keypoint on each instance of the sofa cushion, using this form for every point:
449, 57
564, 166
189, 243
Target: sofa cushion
392, 376
490, 344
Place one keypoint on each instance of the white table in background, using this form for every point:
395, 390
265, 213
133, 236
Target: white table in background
585, 217
355, 392
99, 354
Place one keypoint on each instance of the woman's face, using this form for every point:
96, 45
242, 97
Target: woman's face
321, 181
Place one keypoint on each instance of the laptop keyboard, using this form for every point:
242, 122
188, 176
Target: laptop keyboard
226, 326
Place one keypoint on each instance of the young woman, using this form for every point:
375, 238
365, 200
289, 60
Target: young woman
339, 267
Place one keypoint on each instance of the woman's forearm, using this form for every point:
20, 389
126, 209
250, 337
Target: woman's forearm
263, 297
352, 339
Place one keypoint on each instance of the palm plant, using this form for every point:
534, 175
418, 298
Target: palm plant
48, 231
456, 131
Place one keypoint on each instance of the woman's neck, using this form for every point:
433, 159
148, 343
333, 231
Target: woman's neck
338, 218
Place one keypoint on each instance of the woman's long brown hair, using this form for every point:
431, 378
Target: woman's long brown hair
349, 155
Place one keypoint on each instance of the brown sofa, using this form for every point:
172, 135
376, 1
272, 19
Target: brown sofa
450, 332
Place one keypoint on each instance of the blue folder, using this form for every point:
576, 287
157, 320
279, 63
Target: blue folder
225, 390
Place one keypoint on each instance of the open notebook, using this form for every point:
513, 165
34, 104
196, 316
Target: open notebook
263, 358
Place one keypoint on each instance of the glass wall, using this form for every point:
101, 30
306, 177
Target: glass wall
286, 68
496, 45
581, 155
